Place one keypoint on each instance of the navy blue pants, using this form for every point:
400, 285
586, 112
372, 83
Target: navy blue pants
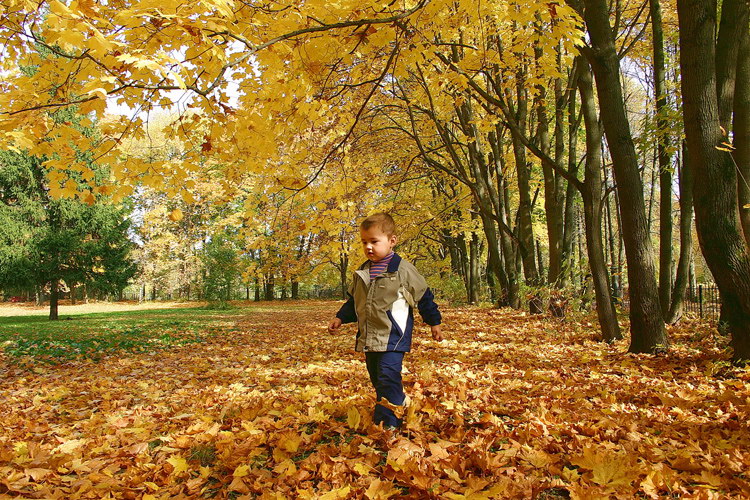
385, 374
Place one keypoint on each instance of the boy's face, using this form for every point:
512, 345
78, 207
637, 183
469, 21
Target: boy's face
376, 244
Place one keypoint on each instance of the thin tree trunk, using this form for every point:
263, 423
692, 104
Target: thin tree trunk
592, 209
474, 269
665, 160
552, 208
54, 296
525, 227
686, 244
569, 225
646, 324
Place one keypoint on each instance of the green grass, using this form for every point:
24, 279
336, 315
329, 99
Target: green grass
28, 339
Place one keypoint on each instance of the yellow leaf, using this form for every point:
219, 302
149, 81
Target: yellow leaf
336, 494
70, 446
381, 490
176, 215
149, 497
353, 418
290, 442
361, 469
241, 471
179, 464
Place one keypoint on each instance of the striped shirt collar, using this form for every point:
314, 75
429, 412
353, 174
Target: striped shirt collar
379, 267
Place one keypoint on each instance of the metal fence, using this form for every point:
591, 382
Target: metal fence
701, 301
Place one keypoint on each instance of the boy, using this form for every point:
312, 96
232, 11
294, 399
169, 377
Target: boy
381, 299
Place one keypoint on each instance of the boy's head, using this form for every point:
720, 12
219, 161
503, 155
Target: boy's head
378, 234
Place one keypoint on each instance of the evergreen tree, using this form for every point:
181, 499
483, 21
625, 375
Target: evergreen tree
45, 243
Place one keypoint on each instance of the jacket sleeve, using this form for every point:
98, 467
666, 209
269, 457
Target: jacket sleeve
428, 309
422, 294
347, 313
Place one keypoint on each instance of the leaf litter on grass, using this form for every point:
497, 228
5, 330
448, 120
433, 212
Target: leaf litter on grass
272, 406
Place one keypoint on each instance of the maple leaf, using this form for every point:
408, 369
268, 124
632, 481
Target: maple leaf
381, 490
608, 469
179, 465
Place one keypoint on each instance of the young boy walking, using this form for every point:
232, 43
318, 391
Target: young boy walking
384, 291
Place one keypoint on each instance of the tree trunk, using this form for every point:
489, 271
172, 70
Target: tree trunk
686, 243
741, 125
343, 267
570, 194
646, 324
552, 208
474, 269
523, 169
295, 289
592, 211
269, 287
715, 195
665, 167
54, 296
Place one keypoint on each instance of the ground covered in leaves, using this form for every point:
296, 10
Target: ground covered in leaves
262, 402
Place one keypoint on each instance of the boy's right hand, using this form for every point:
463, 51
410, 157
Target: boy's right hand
335, 325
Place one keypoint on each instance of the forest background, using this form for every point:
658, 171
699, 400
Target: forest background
535, 154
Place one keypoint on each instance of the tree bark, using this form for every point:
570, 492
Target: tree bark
665, 160
686, 244
715, 196
646, 324
552, 208
741, 125
569, 225
525, 227
54, 296
592, 211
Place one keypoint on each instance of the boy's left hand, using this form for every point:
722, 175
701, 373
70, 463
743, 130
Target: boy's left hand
437, 333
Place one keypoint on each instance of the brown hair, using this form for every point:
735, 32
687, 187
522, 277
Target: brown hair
383, 221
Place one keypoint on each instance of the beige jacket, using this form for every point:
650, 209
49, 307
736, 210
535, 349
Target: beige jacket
384, 307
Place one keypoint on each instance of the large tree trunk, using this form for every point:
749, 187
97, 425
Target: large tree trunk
54, 296
646, 324
592, 210
741, 126
665, 167
715, 195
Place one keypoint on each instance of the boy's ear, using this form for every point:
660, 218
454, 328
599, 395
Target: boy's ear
394, 239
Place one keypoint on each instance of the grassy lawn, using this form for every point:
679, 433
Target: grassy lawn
29, 338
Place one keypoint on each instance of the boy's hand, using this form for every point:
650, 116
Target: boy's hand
437, 333
335, 325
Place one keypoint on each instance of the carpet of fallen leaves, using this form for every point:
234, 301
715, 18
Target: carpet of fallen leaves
509, 406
